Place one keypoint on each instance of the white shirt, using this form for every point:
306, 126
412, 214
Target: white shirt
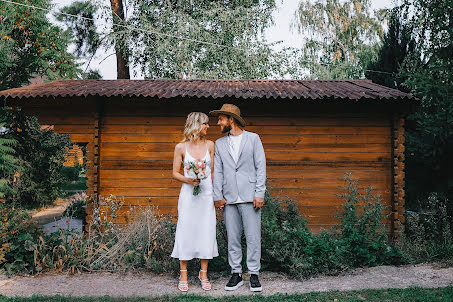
234, 141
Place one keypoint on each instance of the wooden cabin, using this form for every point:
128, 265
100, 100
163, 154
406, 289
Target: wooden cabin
312, 131
73, 156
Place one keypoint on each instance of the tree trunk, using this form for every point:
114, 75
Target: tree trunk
122, 69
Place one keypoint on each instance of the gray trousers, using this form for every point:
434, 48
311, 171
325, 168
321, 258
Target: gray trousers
238, 217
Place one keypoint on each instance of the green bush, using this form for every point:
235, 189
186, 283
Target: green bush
428, 234
288, 245
77, 206
71, 173
363, 238
18, 237
40, 155
8, 162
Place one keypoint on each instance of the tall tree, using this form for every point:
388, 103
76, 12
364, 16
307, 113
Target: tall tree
39, 154
32, 46
122, 53
172, 46
341, 37
398, 44
79, 18
8, 160
429, 72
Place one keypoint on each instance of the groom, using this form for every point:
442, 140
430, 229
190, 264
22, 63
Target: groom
239, 186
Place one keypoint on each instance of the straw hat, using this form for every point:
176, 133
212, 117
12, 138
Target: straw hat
230, 110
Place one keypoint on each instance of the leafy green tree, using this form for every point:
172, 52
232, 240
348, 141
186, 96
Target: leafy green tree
341, 37
40, 155
32, 46
83, 28
79, 18
8, 161
398, 44
233, 31
429, 72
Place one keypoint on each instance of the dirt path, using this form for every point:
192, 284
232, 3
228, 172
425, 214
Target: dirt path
52, 212
141, 284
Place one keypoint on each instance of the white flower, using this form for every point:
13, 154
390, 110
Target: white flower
191, 174
201, 175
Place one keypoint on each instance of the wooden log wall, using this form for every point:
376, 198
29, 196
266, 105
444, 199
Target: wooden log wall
74, 156
398, 148
307, 155
308, 150
75, 116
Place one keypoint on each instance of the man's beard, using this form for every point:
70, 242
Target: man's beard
226, 129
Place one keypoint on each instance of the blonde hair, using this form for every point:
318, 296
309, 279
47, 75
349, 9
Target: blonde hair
192, 128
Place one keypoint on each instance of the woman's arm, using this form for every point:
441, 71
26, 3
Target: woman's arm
211, 153
177, 160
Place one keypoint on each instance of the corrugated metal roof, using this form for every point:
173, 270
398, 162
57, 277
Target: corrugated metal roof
241, 89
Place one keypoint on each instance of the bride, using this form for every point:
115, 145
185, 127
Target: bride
196, 228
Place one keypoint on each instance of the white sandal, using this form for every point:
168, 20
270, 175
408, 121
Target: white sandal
205, 284
183, 285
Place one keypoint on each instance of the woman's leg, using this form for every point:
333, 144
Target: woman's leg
204, 269
183, 268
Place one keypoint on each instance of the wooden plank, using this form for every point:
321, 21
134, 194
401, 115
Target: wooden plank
293, 130
167, 164
173, 192
278, 184
125, 107
288, 156
275, 147
255, 121
66, 119
312, 220
76, 129
307, 173
308, 212
301, 201
82, 138
265, 138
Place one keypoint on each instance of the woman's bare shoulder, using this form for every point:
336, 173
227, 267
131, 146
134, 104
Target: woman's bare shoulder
179, 147
210, 144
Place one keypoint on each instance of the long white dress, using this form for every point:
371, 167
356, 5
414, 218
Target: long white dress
196, 228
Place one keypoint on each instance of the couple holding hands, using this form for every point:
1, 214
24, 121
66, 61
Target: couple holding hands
234, 184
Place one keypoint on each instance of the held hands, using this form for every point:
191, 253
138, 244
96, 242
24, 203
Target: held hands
258, 203
220, 204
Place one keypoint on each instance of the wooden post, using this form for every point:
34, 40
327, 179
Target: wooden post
398, 175
97, 148
93, 161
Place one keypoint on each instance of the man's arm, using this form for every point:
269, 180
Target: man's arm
260, 167
218, 175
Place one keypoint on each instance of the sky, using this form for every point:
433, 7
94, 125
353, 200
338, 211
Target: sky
105, 62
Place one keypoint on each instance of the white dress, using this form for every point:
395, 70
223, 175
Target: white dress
196, 228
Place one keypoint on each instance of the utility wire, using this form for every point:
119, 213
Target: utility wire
170, 35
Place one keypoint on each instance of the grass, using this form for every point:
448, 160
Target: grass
412, 294
79, 185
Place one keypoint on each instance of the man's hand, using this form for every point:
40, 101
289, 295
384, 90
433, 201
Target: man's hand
258, 203
220, 204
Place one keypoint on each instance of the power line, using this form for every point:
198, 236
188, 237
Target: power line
170, 35
125, 26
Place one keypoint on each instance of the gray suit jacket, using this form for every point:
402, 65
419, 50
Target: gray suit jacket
247, 177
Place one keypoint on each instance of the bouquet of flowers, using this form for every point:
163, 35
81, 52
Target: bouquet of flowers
197, 170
